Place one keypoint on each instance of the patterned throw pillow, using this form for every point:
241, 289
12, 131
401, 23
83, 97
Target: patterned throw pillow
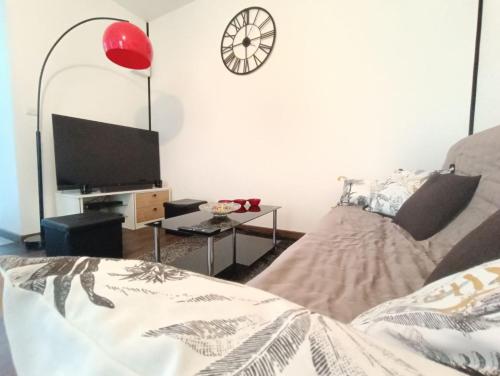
384, 196
389, 195
356, 192
453, 321
87, 316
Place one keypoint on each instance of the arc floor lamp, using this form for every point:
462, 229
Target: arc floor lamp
124, 44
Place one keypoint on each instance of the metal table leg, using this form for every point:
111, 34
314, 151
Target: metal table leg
275, 226
234, 245
210, 255
156, 230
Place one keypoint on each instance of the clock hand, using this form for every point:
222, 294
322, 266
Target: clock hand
239, 44
251, 44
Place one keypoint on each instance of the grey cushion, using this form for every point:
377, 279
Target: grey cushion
435, 204
480, 246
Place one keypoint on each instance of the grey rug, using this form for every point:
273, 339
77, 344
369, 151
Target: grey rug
238, 273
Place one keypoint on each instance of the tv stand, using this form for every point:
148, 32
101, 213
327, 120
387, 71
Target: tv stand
139, 207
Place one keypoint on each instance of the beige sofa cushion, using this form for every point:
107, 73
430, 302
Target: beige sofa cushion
352, 261
475, 155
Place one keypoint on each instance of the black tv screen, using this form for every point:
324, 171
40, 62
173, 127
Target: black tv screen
103, 155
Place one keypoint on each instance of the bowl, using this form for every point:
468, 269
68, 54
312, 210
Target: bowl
254, 201
219, 209
240, 201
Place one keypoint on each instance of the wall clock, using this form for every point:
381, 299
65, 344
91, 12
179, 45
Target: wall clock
248, 40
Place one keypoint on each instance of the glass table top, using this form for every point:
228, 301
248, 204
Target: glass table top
207, 220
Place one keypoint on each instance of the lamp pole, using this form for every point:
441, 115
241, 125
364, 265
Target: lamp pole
475, 70
37, 241
149, 86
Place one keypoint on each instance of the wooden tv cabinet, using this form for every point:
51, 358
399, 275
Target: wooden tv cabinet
138, 207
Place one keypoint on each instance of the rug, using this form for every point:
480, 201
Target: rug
237, 273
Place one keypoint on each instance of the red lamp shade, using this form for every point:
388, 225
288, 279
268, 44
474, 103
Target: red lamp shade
127, 45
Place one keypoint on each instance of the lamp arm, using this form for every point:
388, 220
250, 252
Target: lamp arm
38, 105
50, 53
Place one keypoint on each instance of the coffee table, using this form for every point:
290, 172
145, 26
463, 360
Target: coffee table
233, 249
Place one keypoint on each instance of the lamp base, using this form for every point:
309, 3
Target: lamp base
34, 243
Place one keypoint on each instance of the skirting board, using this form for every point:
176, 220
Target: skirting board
264, 231
11, 236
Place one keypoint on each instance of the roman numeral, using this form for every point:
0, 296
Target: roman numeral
256, 15
265, 48
246, 17
269, 34
257, 61
265, 22
225, 50
236, 65
236, 23
227, 35
229, 58
246, 66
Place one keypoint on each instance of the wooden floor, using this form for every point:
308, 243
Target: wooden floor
138, 242
135, 244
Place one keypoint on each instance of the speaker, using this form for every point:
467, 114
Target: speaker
85, 189
158, 183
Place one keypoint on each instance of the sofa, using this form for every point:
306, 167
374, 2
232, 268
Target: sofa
355, 259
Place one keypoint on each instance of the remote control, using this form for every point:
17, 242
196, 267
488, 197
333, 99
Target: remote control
200, 230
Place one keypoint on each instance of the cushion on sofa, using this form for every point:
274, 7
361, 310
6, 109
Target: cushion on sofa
475, 155
390, 194
435, 204
454, 321
356, 192
86, 316
385, 196
481, 245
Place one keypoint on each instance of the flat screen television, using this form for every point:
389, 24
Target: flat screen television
102, 155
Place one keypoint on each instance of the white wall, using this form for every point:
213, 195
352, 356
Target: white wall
10, 216
488, 89
355, 88
79, 81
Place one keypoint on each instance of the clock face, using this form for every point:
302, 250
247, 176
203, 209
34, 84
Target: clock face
248, 40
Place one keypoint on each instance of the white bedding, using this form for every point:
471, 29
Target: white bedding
84, 316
